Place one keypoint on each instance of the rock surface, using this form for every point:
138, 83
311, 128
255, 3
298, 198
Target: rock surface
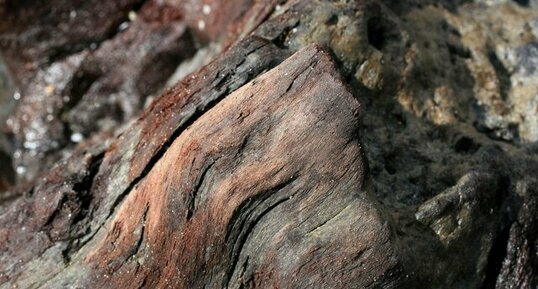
259, 169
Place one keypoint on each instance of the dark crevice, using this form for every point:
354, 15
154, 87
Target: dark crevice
241, 241
502, 74
158, 68
466, 145
201, 110
292, 83
333, 20
78, 87
66, 254
84, 199
244, 265
55, 213
390, 161
326, 221
191, 199
223, 80
242, 223
503, 194
83, 188
524, 3
66, 50
136, 248
376, 33
498, 252
283, 38
7, 177
144, 281
247, 206
458, 50
243, 144
308, 72
496, 257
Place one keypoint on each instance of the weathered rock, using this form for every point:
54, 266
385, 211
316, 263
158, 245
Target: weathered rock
465, 220
448, 122
95, 90
121, 171
225, 195
212, 204
517, 268
98, 84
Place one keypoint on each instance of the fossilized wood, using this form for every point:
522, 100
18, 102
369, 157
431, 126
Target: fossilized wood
249, 176
82, 192
274, 150
261, 190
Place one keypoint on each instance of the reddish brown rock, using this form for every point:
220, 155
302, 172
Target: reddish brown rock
209, 212
249, 176
220, 191
94, 186
225, 21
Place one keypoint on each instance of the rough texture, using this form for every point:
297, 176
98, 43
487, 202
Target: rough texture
35, 32
83, 81
218, 198
253, 173
223, 194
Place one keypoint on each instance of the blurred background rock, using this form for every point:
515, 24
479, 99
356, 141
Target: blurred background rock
7, 103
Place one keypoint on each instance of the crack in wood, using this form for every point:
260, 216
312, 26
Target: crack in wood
242, 216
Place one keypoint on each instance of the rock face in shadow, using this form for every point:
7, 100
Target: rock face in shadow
308, 144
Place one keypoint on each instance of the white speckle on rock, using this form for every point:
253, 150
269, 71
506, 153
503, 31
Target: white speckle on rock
201, 24
123, 26
20, 170
206, 9
132, 16
30, 145
76, 137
